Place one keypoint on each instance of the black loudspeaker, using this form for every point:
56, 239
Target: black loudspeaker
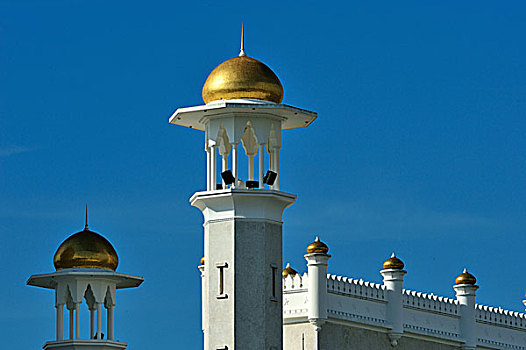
270, 178
228, 177
252, 184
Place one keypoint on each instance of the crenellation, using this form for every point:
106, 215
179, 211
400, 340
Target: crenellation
499, 316
356, 288
431, 302
294, 282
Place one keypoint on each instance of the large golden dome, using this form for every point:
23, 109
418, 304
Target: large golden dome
242, 77
86, 249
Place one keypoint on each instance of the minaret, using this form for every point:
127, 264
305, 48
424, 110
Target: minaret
85, 273
242, 211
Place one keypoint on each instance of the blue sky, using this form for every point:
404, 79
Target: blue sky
419, 147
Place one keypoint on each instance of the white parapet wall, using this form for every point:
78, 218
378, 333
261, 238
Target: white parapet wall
363, 304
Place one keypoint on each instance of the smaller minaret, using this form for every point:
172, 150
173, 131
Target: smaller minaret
393, 273
317, 261
85, 264
465, 288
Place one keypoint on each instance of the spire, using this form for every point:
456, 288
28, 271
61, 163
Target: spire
242, 51
86, 225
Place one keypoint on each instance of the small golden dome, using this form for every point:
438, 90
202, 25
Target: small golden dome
465, 278
317, 247
242, 77
203, 260
86, 249
393, 263
289, 271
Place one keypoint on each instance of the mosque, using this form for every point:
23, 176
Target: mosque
249, 302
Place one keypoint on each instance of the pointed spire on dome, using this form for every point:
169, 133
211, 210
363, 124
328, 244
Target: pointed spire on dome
86, 224
242, 51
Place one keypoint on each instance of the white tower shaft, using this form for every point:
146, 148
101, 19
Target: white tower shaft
242, 285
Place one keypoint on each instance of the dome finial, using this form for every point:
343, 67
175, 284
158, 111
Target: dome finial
86, 224
242, 51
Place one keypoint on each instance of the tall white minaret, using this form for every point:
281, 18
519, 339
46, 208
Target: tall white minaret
242, 205
85, 264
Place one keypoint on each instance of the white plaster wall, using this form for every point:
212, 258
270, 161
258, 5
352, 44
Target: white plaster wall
500, 337
299, 336
355, 309
219, 248
425, 322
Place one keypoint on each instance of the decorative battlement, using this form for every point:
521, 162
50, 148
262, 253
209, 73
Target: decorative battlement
429, 302
499, 316
296, 282
424, 314
354, 287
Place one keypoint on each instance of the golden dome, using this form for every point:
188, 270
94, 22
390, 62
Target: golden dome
317, 247
202, 260
242, 77
393, 263
86, 249
465, 278
289, 271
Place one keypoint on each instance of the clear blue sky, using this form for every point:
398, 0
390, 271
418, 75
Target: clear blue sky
419, 147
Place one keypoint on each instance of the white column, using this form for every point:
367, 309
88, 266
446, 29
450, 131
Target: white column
77, 320
99, 320
224, 167
71, 321
235, 162
250, 168
203, 316
213, 178
466, 294
208, 169
261, 164
317, 288
60, 321
276, 168
91, 322
393, 282
110, 322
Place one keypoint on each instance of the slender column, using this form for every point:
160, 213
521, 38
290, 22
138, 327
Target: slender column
60, 321
393, 282
91, 323
317, 288
271, 163
71, 321
77, 320
225, 167
110, 322
203, 305
208, 168
276, 167
466, 294
251, 168
235, 167
99, 321
213, 178
261, 164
